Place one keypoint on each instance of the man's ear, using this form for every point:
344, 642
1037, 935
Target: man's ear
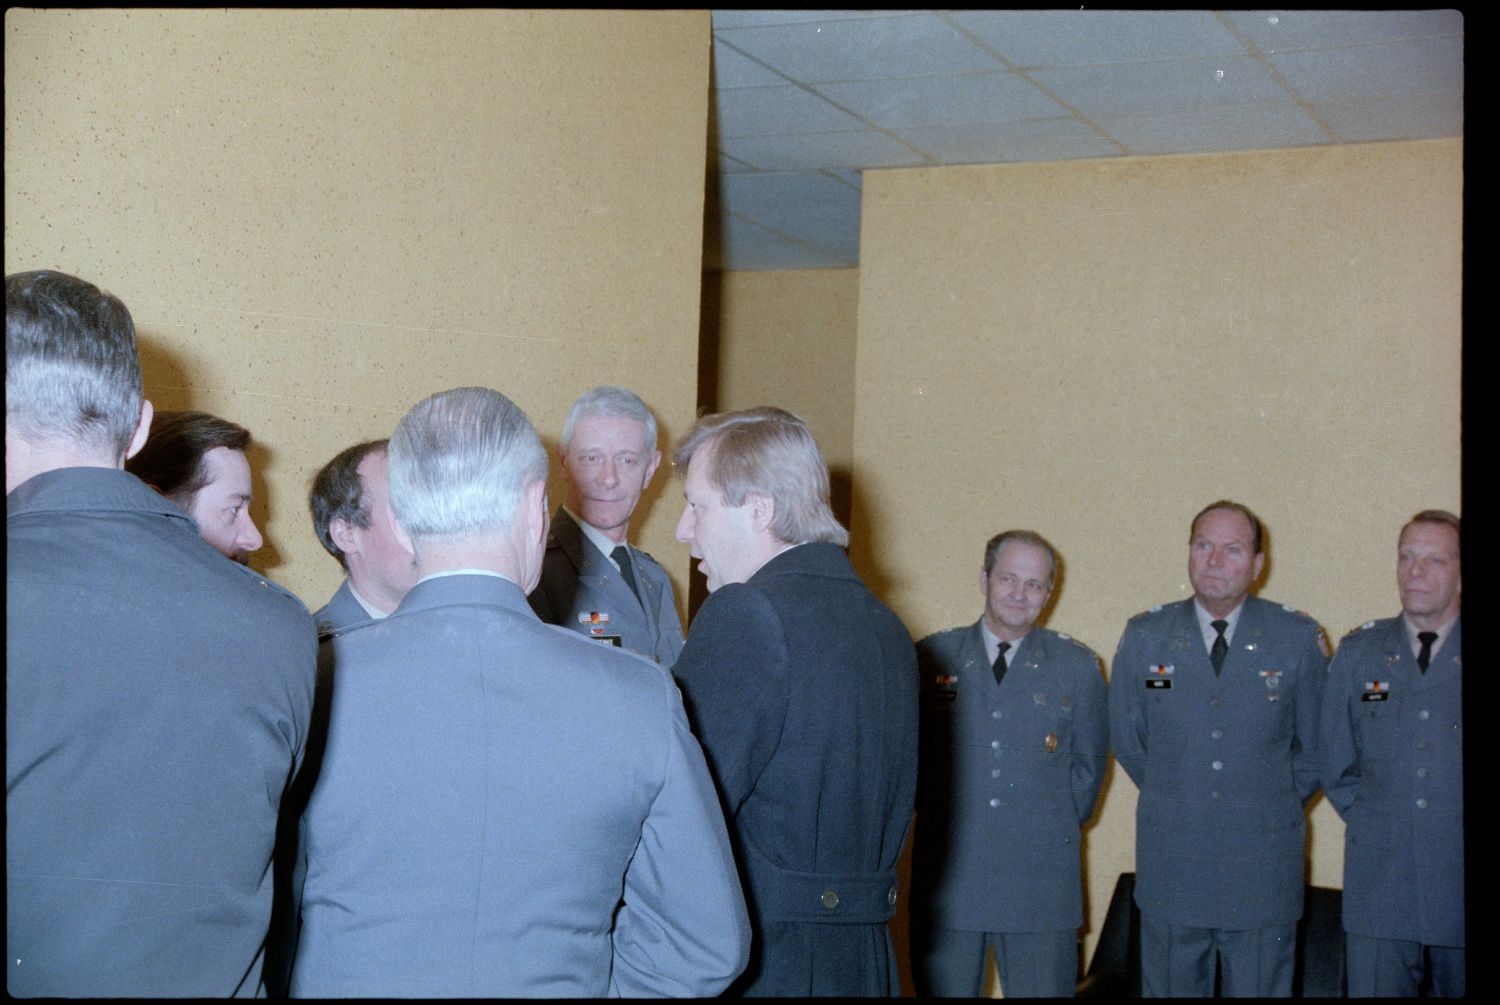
343, 534
142, 429
762, 511
651, 467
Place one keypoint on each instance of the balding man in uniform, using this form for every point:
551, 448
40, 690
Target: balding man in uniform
1015, 737
1393, 768
1214, 715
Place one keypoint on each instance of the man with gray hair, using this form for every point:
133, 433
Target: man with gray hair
158, 698
594, 581
354, 525
802, 687
1015, 737
504, 809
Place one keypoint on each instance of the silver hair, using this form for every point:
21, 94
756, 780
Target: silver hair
610, 403
72, 373
460, 461
768, 451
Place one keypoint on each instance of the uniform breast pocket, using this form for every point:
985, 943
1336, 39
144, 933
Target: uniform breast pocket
1379, 722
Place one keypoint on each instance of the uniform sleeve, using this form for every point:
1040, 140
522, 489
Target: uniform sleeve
733, 675
1091, 742
1127, 716
682, 931
1338, 743
1312, 678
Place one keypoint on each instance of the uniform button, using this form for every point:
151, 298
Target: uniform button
1217, 734
1218, 765
1424, 714
890, 896
994, 744
1218, 795
1421, 804
994, 803
994, 772
830, 899
1422, 744
995, 714
1421, 772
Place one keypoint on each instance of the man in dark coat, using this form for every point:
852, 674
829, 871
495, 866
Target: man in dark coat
802, 687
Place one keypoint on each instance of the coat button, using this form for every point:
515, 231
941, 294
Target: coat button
1424, 714
1423, 744
1421, 772
994, 744
1217, 765
890, 896
994, 772
1421, 804
830, 899
1217, 734
994, 803
995, 714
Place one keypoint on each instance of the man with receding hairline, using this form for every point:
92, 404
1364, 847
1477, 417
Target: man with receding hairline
1392, 742
1015, 738
802, 687
1214, 715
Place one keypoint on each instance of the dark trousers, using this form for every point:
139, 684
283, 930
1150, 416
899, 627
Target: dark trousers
1394, 968
948, 963
1177, 961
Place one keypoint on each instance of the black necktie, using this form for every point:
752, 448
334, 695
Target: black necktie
1221, 648
999, 666
1425, 656
621, 554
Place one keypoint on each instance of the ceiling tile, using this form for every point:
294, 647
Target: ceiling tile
1086, 37
1174, 85
758, 18
911, 45
731, 69
772, 111
1283, 31
1400, 69
1247, 127
1038, 140
820, 151
1419, 118
935, 101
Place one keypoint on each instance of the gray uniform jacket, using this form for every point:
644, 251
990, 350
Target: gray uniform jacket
157, 701
1392, 744
1224, 763
803, 688
505, 809
1009, 776
341, 611
579, 582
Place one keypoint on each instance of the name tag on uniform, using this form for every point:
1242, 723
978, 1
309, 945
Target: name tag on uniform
1376, 690
613, 640
1159, 677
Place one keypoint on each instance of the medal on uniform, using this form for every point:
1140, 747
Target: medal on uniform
1376, 690
1051, 743
1159, 677
1273, 681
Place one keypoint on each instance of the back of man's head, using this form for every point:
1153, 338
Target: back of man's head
459, 463
338, 493
72, 376
172, 459
768, 451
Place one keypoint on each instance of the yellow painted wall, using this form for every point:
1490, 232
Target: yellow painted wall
787, 339
1096, 349
320, 217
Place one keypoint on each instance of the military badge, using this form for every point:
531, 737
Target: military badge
1376, 690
